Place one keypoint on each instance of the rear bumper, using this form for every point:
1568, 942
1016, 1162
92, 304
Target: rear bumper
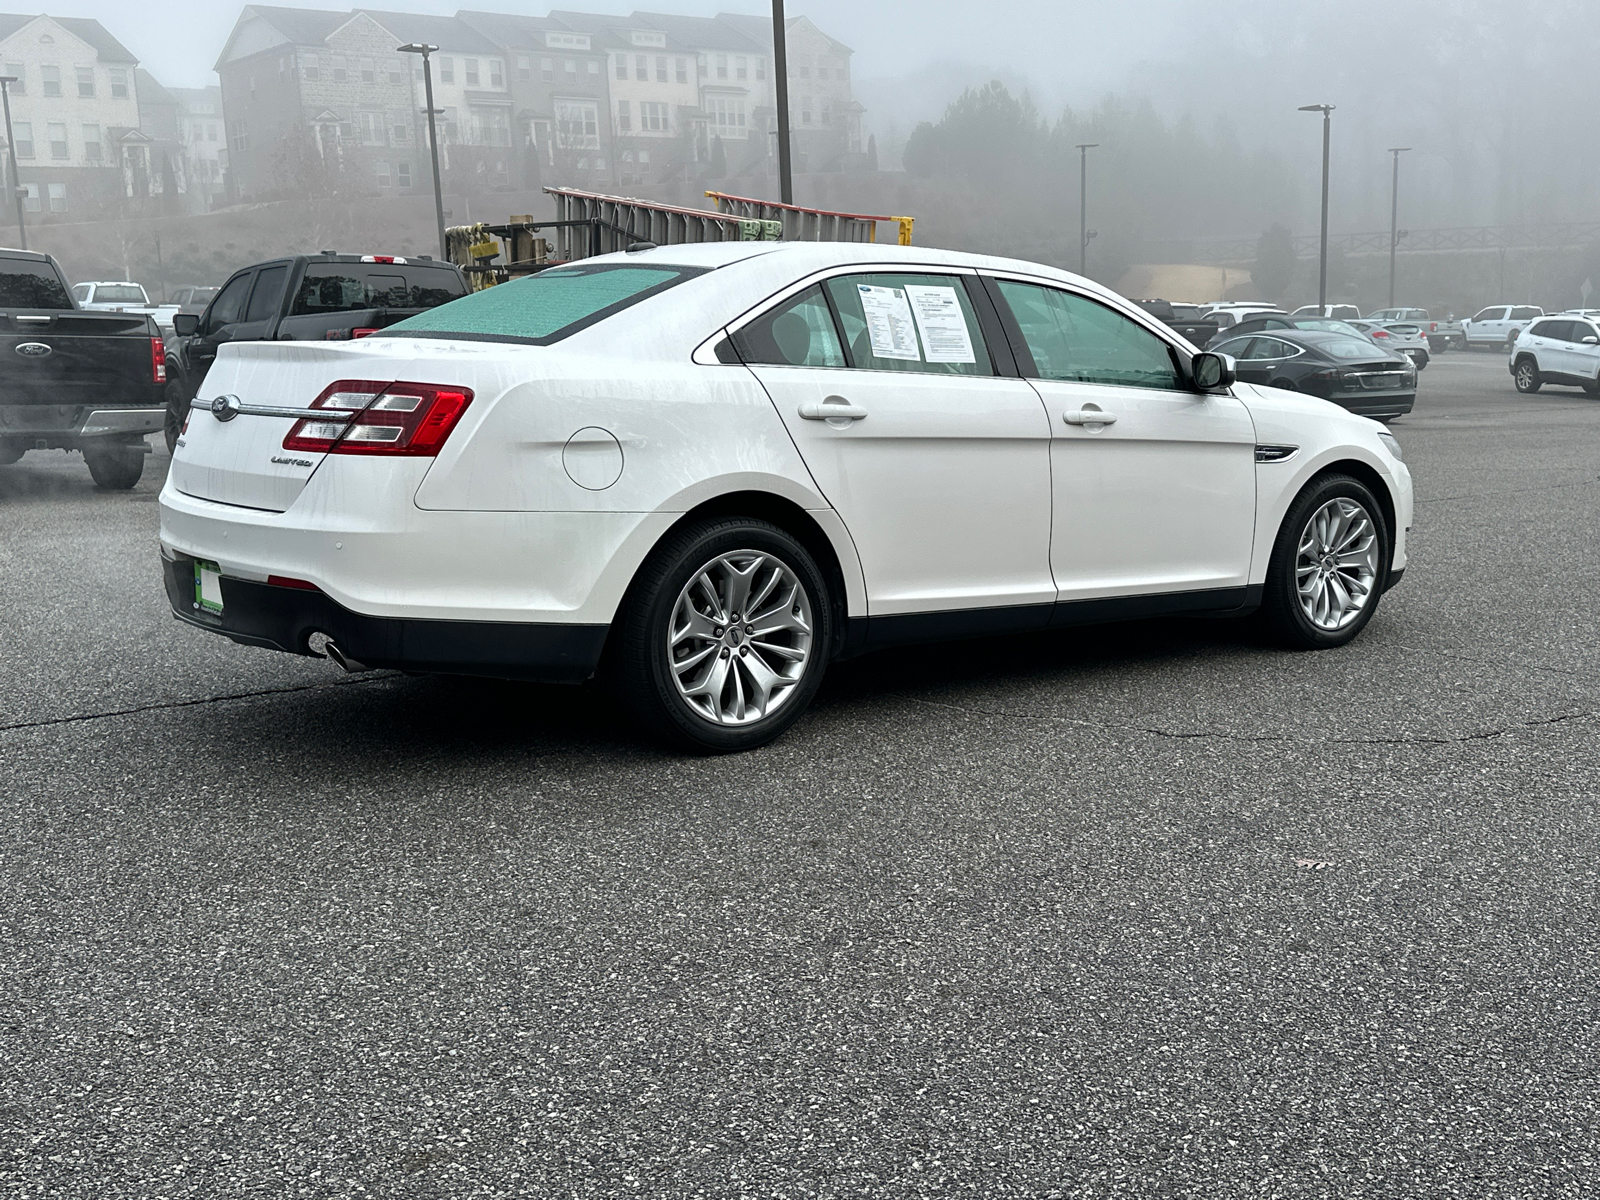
284, 618
57, 425
1365, 404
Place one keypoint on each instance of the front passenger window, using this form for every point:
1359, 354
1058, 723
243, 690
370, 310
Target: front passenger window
798, 333
1078, 340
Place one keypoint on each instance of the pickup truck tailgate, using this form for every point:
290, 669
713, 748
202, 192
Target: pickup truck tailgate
77, 358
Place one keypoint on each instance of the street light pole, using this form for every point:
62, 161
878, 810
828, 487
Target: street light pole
1327, 132
780, 84
1083, 205
11, 152
425, 50
1394, 216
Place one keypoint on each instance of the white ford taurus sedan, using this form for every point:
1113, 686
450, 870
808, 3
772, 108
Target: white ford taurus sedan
704, 472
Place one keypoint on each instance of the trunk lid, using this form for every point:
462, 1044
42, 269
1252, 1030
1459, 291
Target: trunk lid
76, 358
243, 461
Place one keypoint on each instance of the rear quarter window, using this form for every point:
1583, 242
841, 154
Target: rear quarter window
544, 308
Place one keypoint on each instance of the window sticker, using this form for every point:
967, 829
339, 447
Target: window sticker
889, 323
942, 324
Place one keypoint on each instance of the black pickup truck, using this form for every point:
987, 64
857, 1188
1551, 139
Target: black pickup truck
318, 297
75, 380
1184, 319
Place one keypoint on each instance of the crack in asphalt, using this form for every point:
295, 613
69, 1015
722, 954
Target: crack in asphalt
1551, 487
198, 701
1205, 735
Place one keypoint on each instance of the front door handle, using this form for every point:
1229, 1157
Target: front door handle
1089, 416
832, 409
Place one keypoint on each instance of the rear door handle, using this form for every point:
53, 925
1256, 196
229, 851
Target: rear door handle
1089, 416
832, 411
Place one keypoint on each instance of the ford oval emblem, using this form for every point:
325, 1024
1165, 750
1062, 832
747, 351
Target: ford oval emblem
34, 350
225, 408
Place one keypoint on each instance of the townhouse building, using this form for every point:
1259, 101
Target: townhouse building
317, 100
75, 119
205, 153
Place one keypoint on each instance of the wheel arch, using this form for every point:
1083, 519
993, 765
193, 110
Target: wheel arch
1374, 483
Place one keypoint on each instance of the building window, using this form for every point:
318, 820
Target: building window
340, 71
805, 110
20, 87
52, 80
727, 116
22, 131
372, 129
383, 174
86, 82
722, 66
653, 117
547, 70
761, 68
402, 174
622, 66
570, 66
641, 67
661, 68
497, 75
58, 197
593, 67
400, 127
624, 121
91, 143
740, 69
58, 139
211, 132
447, 69
308, 69
804, 70
491, 125
397, 73
644, 158
682, 65
827, 114
524, 68
470, 65
579, 124
241, 137
30, 199
369, 71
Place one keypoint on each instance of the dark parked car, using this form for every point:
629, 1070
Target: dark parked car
1265, 321
1344, 368
1185, 319
319, 297
75, 380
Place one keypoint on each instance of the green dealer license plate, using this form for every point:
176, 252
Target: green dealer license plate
208, 587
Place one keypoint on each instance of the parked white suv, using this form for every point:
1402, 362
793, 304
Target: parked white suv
1498, 325
1561, 349
707, 470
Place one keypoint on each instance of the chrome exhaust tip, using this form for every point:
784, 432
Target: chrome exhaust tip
349, 664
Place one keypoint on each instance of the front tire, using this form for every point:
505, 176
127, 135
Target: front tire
1329, 565
116, 468
1527, 377
724, 636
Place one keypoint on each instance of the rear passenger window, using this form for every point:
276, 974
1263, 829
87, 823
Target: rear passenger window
896, 322
798, 333
1078, 340
1524, 314
268, 294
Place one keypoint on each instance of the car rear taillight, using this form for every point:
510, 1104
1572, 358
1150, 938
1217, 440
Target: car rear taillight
381, 418
158, 361
1433, 327
1377, 333
361, 333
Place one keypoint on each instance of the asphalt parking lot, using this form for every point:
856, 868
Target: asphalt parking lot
1141, 911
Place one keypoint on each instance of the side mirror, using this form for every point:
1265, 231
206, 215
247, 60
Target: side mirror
185, 324
1591, 340
1212, 371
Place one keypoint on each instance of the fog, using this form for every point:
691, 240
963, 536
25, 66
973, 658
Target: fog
1194, 108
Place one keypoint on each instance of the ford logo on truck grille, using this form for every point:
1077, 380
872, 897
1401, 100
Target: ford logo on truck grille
34, 350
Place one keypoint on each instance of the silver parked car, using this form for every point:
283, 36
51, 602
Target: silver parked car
1403, 337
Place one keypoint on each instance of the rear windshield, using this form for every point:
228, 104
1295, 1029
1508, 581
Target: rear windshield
546, 307
31, 285
350, 287
118, 293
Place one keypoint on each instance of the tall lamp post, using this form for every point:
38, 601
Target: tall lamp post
1327, 132
1394, 216
780, 84
1083, 206
425, 50
11, 153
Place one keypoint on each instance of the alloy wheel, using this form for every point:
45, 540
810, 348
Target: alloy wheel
1526, 376
740, 637
1336, 565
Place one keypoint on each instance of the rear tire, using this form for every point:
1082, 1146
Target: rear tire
1329, 565
694, 670
116, 468
11, 452
177, 413
1592, 387
1526, 376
